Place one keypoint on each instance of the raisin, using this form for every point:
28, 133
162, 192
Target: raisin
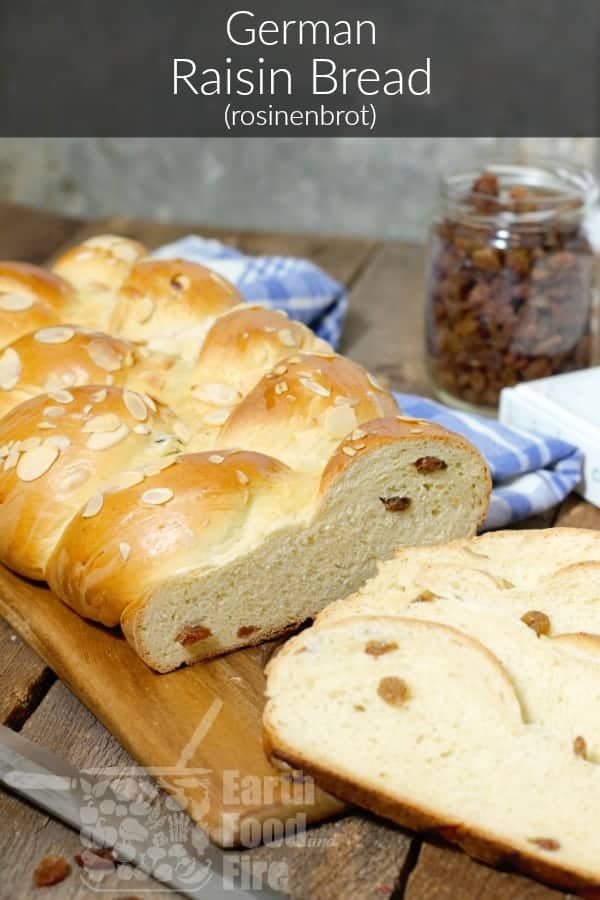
580, 747
487, 184
487, 258
425, 597
191, 634
179, 282
51, 870
396, 504
378, 648
245, 630
509, 298
545, 843
427, 464
393, 690
537, 621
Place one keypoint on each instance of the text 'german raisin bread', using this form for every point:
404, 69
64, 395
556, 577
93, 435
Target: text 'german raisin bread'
212, 474
464, 685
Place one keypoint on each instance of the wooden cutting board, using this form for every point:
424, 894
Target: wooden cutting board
198, 730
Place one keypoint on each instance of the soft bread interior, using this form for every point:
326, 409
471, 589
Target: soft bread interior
421, 723
468, 589
553, 571
554, 687
289, 573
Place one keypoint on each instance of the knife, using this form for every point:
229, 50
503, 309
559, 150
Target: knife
60, 789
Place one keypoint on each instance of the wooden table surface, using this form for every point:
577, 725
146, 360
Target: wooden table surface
358, 856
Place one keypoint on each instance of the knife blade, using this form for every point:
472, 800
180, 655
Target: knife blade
52, 784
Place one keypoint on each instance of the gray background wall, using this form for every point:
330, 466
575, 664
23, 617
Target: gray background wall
379, 187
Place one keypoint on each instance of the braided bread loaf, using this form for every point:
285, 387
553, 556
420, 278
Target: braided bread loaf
211, 475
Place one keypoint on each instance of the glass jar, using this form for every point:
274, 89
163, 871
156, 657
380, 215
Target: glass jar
509, 287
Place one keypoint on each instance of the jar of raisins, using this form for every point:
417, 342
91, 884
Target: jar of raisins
509, 287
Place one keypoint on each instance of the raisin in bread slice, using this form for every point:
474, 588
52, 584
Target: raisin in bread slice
420, 723
551, 682
555, 572
229, 548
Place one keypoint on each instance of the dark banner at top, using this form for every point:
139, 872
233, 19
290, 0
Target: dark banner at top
299, 68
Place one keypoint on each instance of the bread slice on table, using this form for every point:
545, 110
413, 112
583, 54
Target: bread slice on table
554, 572
530, 625
419, 722
227, 548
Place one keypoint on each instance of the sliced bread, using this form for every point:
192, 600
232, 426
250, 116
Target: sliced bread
421, 723
553, 571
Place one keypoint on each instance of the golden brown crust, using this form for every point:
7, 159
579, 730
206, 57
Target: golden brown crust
102, 255
253, 339
97, 268
30, 298
163, 298
95, 436
478, 845
36, 283
53, 358
143, 533
16, 322
322, 392
101, 262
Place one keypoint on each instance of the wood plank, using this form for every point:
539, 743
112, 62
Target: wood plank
23, 676
354, 857
151, 233
60, 724
576, 512
206, 717
444, 873
32, 235
30, 231
343, 258
384, 330
357, 857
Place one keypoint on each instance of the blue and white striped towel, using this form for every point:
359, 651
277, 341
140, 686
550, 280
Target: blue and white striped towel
531, 473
